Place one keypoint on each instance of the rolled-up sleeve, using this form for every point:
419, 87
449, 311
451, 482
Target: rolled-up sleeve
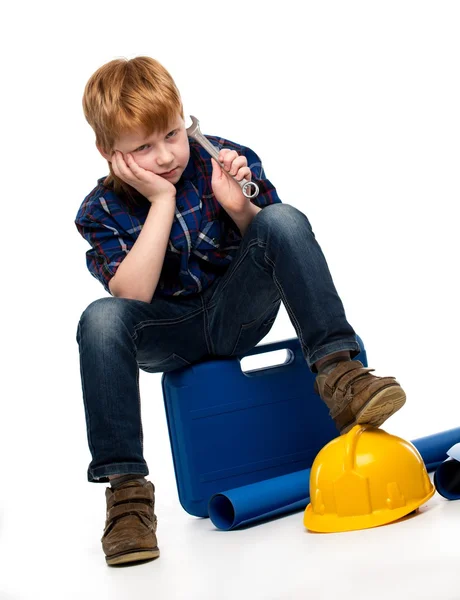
109, 246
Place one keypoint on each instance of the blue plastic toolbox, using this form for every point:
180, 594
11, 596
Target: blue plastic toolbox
230, 428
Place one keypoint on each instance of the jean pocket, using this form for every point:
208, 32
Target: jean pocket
252, 333
170, 363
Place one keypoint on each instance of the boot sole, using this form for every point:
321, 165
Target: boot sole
379, 408
132, 556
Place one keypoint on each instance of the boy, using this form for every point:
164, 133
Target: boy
196, 270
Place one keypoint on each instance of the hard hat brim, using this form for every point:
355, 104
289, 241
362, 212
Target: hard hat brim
331, 523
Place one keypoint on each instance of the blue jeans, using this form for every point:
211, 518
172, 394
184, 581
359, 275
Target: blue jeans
278, 260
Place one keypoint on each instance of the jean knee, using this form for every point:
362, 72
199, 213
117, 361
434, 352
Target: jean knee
286, 220
101, 316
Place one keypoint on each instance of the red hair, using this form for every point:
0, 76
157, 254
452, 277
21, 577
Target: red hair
124, 95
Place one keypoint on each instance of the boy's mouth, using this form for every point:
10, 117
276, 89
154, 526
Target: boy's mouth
168, 172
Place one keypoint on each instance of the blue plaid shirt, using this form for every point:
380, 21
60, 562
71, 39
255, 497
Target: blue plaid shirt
203, 240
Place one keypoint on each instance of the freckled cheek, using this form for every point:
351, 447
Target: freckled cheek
146, 162
185, 156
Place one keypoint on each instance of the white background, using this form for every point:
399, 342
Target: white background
353, 107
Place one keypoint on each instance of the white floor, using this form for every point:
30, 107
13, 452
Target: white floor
413, 559
50, 530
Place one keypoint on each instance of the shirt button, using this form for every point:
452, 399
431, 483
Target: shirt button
181, 207
215, 240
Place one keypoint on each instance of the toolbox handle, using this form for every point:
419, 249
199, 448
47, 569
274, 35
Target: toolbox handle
291, 344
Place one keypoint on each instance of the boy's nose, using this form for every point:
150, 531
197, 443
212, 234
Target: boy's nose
164, 157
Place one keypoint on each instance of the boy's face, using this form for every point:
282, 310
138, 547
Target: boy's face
159, 152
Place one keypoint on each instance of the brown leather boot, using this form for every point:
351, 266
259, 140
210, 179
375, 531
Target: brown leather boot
130, 527
354, 396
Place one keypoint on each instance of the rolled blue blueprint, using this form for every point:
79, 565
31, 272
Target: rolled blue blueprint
447, 475
288, 493
433, 448
260, 501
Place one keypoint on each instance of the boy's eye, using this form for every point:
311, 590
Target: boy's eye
145, 146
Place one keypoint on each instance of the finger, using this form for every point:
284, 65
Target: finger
245, 172
216, 168
119, 166
238, 163
116, 165
125, 171
226, 157
223, 152
135, 169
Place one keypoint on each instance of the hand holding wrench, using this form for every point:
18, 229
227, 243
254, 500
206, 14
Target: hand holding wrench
194, 132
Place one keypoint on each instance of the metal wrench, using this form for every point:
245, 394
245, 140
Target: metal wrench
194, 132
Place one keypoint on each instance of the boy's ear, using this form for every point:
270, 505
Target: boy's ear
104, 154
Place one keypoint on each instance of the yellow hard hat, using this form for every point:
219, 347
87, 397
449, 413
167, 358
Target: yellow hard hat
363, 479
